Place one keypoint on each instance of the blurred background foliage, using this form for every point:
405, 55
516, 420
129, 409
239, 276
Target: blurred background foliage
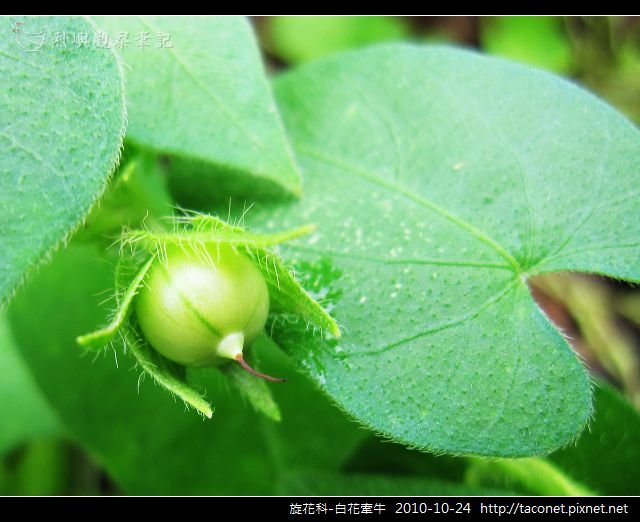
601, 317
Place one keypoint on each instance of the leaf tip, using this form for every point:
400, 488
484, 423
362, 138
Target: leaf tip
296, 190
85, 340
93, 340
310, 228
275, 416
335, 330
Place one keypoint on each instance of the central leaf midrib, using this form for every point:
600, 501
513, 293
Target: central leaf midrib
420, 200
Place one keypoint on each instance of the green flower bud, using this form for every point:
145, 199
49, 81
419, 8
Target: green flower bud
201, 308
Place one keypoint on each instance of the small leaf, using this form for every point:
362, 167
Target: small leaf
189, 235
196, 89
100, 338
62, 119
256, 391
287, 295
166, 373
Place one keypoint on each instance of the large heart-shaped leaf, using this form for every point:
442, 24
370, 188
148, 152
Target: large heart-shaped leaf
196, 88
61, 125
441, 181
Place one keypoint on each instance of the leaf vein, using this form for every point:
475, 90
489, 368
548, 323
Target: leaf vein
420, 200
442, 326
409, 261
222, 108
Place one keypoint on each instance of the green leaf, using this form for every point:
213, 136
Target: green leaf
289, 301
24, 409
205, 98
442, 180
143, 437
166, 373
606, 455
62, 120
256, 391
297, 39
100, 338
534, 40
206, 229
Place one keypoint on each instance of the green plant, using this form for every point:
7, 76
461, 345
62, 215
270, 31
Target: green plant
201, 292
440, 182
